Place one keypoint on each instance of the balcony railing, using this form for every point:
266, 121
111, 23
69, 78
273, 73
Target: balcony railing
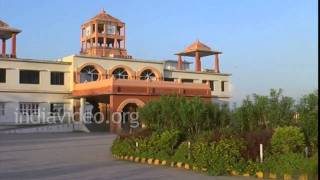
140, 87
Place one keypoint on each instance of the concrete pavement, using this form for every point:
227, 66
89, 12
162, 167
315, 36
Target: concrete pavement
76, 156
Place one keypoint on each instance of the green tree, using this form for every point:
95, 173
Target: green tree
287, 139
307, 109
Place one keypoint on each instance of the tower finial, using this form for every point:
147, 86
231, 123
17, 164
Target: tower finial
102, 11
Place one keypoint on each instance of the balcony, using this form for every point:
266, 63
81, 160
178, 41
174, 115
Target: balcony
139, 87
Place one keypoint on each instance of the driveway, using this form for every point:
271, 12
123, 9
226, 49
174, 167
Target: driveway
76, 156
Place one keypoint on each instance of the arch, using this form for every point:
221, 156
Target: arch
99, 68
120, 73
136, 101
154, 70
126, 68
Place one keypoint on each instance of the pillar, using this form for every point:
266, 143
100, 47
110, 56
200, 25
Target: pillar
179, 64
114, 116
103, 113
82, 109
115, 43
13, 45
96, 35
216, 63
124, 37
197, 62
3, 47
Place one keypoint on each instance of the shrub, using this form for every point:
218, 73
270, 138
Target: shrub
182, 154
287, 139
123, 147
200, 153
225, 155
291, 163
158, 145
252, 167
167, 142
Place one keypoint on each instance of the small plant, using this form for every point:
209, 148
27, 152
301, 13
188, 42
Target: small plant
182, 154
200, 153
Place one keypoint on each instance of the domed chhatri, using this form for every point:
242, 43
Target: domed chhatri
103, 35
7, 32
198, 49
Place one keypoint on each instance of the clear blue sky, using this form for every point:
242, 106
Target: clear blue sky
266, 43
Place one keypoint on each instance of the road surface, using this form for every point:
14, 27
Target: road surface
76, 156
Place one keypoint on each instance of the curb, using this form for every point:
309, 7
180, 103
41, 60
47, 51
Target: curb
181, 165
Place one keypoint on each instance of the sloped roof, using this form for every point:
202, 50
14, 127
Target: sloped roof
6, 31
200, 47
3, 24
102, 15
197, 46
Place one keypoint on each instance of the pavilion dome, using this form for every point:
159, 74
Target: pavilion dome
102, 15
3, 24
197, 46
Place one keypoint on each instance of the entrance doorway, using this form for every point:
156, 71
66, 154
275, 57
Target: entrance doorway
129, 121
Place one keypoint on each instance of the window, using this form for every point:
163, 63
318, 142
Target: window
93, 28
56, 109
187, 80
100, 28
120, 73
88, 73
222, 86
29, 109
2, 75
111, 29
211, 83
29, 77
147, 74
169, 79
57, 78
87, 31
2, 108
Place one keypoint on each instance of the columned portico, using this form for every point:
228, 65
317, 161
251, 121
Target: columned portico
197, 66
3, 47
198, 50
82, 109
13, 45
216, 67
7, 32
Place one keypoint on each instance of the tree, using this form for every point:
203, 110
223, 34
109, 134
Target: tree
307, 109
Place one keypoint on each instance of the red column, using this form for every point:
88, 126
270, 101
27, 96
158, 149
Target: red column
179, 64
3, 47
216, 63
13, 45
197, 66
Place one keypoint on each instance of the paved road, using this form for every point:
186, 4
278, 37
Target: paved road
76, 156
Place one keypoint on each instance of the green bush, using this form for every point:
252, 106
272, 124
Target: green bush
225, 155
200, 153
216, 134
290, 163
252, 167
287, 139
123, 147
191, 116
158, 145
182, 154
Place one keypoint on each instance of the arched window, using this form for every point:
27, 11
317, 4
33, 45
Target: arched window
88, 73
147, 74
120, 73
